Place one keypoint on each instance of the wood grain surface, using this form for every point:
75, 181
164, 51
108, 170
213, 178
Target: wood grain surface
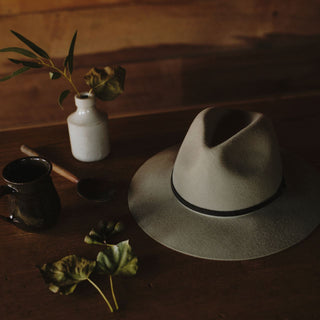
169, 285
177, 53
173, 77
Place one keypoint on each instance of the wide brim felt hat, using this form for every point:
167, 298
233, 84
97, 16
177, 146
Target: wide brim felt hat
227, 192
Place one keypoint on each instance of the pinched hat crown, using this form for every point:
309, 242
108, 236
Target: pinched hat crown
228, 161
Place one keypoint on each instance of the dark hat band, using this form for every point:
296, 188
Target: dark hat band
231, 213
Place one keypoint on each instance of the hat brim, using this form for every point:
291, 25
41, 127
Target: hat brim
282, 223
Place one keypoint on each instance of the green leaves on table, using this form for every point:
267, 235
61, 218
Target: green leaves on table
118, 260
103, 232
64, 275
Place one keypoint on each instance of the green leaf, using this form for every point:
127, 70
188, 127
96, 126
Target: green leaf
118, 260
68, 62
30, 64
15, 61
103, 232
31, 45
54, 75
108, 83
62, 96
22, 51
64, 275
17, 72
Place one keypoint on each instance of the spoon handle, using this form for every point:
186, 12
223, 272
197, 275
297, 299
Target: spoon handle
57, 169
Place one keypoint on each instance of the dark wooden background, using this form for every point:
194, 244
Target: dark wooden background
178, 53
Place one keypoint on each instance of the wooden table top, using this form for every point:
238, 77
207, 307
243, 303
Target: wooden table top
168, 285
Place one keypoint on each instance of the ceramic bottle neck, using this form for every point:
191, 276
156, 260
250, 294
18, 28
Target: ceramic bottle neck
85, 102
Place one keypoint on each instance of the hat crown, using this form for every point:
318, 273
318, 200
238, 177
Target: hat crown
229, 160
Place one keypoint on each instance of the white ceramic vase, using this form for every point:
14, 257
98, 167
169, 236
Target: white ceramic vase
88, 130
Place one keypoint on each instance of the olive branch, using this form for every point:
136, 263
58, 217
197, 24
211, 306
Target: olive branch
106, 83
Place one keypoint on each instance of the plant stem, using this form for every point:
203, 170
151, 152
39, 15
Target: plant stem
113, 295
51, 65
102, 295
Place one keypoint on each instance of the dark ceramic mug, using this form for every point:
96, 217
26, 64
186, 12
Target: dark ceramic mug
33, 200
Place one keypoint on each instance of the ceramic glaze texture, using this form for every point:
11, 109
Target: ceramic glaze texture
88, 130
34, 203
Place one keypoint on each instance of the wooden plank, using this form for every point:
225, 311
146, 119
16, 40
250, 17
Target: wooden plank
177, 54
19, 7
213, 23
203, 76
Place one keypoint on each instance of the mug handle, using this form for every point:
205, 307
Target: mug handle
3, 191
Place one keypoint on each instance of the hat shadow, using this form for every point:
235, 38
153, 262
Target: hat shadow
222, 124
